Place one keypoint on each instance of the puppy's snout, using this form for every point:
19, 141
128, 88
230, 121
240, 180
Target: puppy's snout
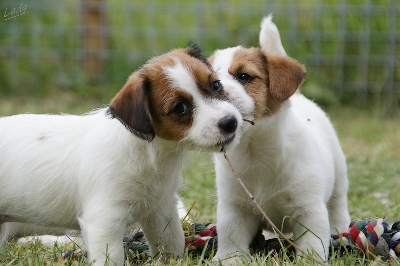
228, 124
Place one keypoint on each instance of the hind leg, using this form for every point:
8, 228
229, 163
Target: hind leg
339, 217
9, 230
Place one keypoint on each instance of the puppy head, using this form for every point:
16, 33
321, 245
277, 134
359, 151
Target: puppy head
177, 96
267, 79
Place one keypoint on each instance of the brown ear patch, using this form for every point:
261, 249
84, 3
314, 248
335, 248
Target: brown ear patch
129, 106
285, 76
273, 78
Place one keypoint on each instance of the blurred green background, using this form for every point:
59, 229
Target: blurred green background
350, 47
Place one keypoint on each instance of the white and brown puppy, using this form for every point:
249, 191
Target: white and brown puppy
290, 160
101, 174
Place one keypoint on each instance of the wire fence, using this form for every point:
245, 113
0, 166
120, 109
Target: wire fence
350, 47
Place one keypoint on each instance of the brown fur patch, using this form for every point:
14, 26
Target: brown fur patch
252, 62
162, 100
129, 106
285, 76
146, 103
273, 78
203, 78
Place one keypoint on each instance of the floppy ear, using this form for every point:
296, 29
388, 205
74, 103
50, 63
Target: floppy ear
285, 76
130, 107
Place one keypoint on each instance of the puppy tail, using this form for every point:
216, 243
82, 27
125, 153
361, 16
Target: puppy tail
270, 40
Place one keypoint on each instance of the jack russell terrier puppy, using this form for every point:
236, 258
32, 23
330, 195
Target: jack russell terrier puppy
290, 160
118, 165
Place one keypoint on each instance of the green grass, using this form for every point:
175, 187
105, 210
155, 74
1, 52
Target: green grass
370, 141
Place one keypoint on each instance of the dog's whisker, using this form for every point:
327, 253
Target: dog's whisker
262, 106
269, 110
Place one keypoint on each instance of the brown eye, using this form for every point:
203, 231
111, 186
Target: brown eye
244, 77
181, 108
216, 86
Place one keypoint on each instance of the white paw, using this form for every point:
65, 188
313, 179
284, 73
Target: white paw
236, 258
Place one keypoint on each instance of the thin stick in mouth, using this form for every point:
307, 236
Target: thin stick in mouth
249, 121
222, 149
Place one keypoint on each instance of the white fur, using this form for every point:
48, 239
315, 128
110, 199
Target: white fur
293, 165
51, 240
90, 173
233, 89
202, 132
180, 76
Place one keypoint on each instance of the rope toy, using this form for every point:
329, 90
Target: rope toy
372, 238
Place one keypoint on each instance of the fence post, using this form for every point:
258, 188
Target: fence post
93, 39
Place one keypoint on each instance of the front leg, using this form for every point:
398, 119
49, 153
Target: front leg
103, 236
163, 230
236, 230
310, 226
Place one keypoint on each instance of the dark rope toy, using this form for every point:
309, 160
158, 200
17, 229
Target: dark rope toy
371, 238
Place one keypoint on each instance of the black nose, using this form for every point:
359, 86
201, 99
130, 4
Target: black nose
228, 124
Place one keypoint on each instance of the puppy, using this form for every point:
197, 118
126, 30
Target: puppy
290, 160
117, 165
